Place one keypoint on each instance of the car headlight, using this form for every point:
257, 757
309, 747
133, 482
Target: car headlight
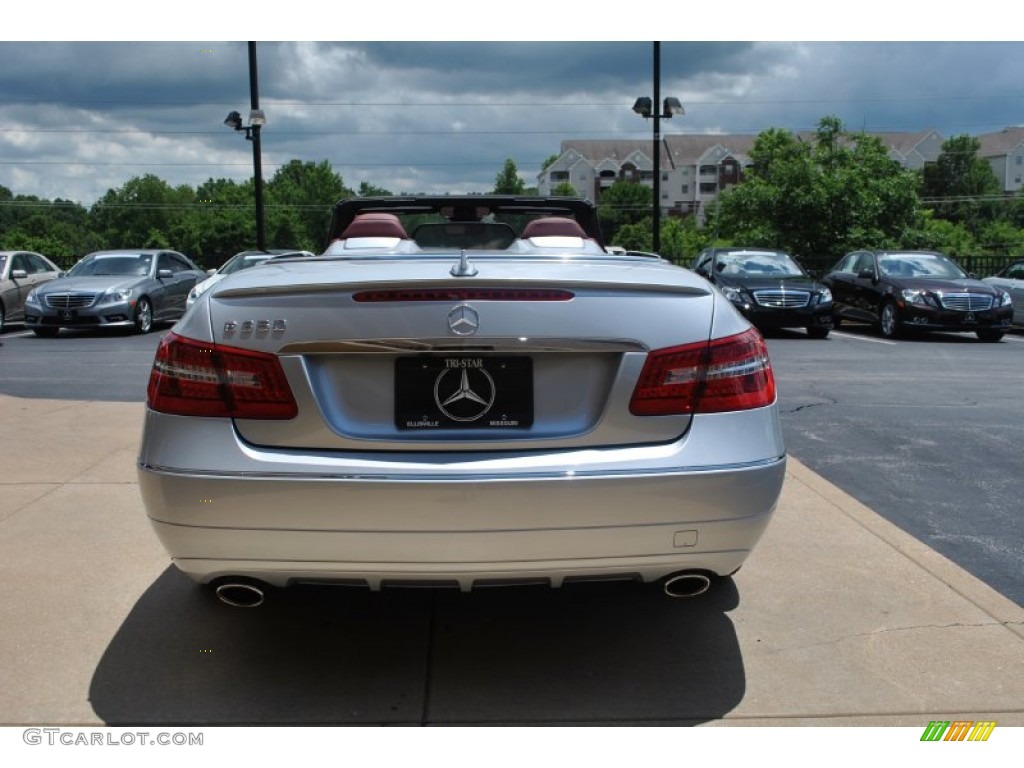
31, 298
122, 294
825, 297
733, 294
921, 298
194, 293
1003, 299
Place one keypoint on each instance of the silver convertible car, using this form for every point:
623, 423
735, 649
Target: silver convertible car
464, 392
114, 289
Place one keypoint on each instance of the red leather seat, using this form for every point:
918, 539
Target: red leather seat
375, 225
553, 226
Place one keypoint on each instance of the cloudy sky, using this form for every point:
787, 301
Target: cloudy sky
77, 118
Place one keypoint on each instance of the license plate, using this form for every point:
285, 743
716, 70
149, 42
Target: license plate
463, 392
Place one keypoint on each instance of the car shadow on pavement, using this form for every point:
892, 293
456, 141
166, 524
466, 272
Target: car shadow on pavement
603, 654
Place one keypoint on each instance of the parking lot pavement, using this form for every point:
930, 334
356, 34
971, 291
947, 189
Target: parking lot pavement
838, 618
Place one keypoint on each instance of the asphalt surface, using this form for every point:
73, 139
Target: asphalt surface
928, 432
839, 617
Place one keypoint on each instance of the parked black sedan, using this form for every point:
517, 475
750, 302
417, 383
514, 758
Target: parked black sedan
916, 290
769, 287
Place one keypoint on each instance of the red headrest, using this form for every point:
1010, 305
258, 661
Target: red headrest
553, 226
375, 225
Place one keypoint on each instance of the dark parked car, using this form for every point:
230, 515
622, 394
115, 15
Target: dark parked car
769, 288
921, 290
1011, 280
20, 272
110, 289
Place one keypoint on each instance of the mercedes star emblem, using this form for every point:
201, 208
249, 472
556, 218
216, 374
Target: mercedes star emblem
463, 320
464, 395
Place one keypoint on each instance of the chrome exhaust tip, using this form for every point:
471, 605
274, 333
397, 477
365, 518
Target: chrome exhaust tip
239, 594
686, 584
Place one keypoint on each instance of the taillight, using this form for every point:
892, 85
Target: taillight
730, 374
194, 378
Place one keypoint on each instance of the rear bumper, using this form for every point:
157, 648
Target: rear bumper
283, 517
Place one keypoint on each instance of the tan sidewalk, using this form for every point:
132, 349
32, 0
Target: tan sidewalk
838, 618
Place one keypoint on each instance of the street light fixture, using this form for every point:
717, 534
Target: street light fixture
257, 119
644, 106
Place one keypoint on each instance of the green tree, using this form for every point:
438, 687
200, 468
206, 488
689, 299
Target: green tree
820, 198
564, 189
960, 186
220, 224
142, 211
624, 202
298, 204
507, 182
366, 189
548, 161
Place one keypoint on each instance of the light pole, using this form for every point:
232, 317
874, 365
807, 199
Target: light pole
252, 133
644, 107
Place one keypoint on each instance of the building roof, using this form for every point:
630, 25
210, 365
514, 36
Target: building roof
687, 149
1001, 142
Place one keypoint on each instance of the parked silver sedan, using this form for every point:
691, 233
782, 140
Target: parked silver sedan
470, 403
20, 272
110, 289
239, 261
1011, 280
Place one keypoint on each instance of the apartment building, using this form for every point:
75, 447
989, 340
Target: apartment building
1004, 151
695, 168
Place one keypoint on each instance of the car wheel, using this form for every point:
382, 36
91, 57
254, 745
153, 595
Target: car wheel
1, 317
143, 316
836, 321
817, 332
989, 335
46, 333
889, 320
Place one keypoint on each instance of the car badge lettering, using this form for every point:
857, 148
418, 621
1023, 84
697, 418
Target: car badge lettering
464, 391
463, 320
261, 327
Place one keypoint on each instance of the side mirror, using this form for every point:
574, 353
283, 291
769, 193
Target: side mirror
813, 273
18, 274
701, 271
866, 274
211, 272
163, 273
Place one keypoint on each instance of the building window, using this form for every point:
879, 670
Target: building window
708, 189
664, 176
686, 189
1020, 159
559, 175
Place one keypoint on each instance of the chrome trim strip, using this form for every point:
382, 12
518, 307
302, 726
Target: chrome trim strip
467, 344
568, 474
